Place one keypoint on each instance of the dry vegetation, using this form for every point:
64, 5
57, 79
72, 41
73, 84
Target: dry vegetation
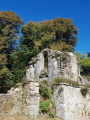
23, 117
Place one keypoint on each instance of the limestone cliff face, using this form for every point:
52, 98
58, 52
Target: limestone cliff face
60, 64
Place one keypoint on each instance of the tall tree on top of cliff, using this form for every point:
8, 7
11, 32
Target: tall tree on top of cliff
10, 23
59, 33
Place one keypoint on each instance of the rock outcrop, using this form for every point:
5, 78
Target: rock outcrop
60, 64
49, 64
70, 103
36, 67
6, 103
21, 100
33, 99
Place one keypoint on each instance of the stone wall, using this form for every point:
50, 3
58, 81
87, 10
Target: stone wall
21, 100
17, 106
60, 64
33, 99
70, 104
6, 103
85, 80
35, 68
11, 102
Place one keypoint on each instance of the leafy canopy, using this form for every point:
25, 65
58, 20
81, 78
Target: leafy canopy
50, 34
85, 66
10, 23
84, 63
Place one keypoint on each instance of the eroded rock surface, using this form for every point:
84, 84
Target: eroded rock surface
35, 68
60, 64
33, 99
6, 103
21, 100
71, 104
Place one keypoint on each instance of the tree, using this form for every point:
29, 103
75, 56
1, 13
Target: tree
10, 23
3, 59
88, 54
64, 29
84, 63
50, 33
19, 61
80, 56
85, 66
5, 75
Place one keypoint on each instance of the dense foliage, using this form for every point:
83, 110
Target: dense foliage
58, 33
9, 28
59, 80
44, 89
46, 103
88, 54
85, 66
45, 106
84, 63
15, 53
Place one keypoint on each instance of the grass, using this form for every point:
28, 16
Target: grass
52, 114
83, 90
24, 96
24, 117
48, 107
57, 81
53, 104
44, 89
45, 106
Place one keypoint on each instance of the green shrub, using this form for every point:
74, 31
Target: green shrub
24, 96
85, 66
84, 91
52, 91
53, 104
52, 114
57, 81
45, 106
44, 89
6, 82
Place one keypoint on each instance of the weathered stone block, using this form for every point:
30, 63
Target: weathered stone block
35, 68
70, 104
33, 99
60, 64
